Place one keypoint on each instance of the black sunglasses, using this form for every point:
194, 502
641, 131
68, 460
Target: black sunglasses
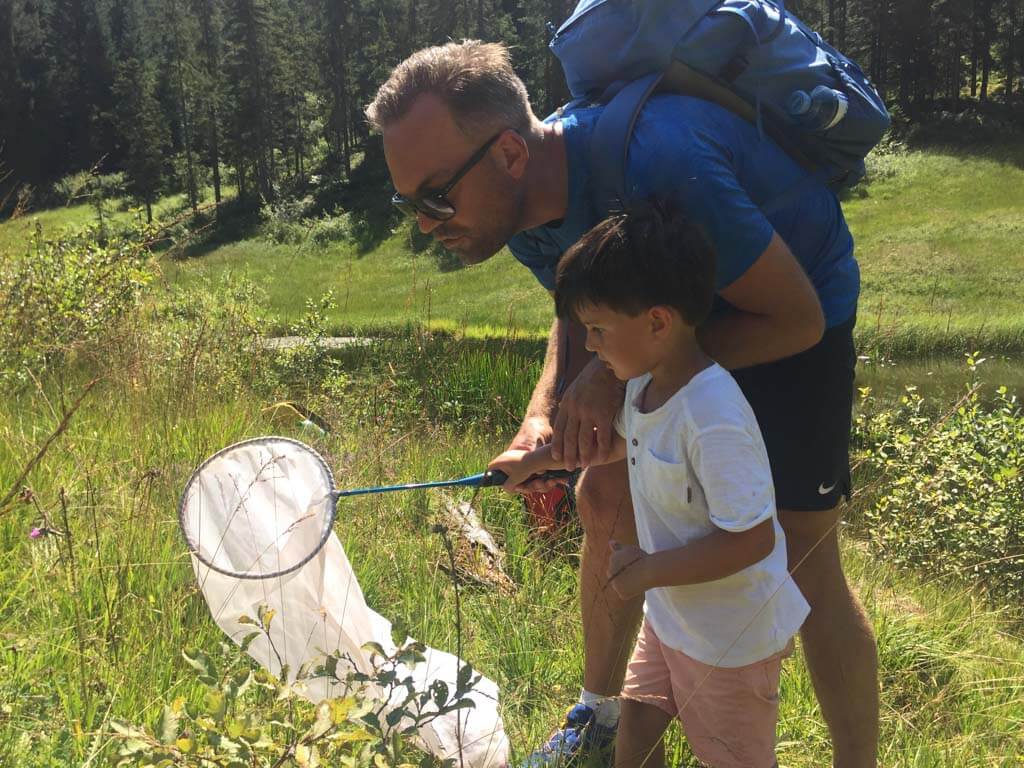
434, 204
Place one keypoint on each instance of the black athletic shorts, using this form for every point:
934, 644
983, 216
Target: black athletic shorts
803, 405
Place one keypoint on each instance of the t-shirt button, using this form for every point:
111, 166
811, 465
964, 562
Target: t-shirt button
635, 441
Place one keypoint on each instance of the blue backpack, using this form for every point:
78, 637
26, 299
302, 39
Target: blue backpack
749, 56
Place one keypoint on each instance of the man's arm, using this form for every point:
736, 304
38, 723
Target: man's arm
536, 426
582, 432
777, 313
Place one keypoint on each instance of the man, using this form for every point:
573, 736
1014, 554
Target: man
470, 160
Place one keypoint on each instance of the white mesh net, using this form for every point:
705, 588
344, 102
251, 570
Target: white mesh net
264, 504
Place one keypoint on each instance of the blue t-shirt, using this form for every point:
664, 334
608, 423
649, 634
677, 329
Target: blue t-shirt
719, 170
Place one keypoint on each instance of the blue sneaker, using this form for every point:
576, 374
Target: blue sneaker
580, 735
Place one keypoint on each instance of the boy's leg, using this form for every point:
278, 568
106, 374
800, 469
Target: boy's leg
640, 742
648, 704
729, 715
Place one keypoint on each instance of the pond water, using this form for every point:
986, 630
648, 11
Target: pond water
940, 379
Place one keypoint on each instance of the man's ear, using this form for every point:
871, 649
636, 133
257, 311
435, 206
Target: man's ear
661, 319
514, 153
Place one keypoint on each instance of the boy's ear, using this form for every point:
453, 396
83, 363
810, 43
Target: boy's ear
661, 319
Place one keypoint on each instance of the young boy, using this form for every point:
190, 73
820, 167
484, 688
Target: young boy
721, 609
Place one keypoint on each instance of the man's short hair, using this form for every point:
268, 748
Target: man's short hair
649, 255
474, 79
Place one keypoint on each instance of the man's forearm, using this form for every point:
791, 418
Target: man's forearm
544, 400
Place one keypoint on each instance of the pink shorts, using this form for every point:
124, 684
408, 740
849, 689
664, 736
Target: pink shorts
728, 713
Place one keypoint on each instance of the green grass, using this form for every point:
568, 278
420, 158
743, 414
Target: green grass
92, 623
388, 287
17, 233
939, 237
940, 241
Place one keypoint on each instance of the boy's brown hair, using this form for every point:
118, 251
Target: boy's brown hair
649, 255
474, 79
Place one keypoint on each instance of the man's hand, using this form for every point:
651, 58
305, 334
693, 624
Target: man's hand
583, 428
534, 432
625, 569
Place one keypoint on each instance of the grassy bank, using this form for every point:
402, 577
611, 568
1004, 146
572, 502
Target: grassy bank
940, 240
99, 602
939, 234
94, 617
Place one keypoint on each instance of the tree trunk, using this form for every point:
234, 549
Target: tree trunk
986, 53
215, 155
1011, 48
841, 35
974, 58
183, 116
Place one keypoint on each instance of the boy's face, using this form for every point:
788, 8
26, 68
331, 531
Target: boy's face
625, 343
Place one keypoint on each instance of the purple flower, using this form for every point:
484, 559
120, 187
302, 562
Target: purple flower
36, 533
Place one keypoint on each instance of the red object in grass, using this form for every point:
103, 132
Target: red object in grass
552, 510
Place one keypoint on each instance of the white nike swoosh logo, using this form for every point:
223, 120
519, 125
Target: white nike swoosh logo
825, 491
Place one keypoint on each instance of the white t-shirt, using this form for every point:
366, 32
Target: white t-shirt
696, 463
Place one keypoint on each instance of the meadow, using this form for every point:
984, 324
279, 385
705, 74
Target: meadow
98, 606
938, 238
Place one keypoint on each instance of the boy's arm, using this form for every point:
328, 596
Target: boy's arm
631, 571
520, 466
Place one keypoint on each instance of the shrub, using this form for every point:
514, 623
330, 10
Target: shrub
84, 185
283, 223
58, 295
248, 717
952, 487
331, 229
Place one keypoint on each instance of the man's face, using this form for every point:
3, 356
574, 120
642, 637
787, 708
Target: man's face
425, 149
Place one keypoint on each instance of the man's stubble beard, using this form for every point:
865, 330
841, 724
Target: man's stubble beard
505, 213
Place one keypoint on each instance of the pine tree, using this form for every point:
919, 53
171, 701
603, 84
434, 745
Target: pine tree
180, 36
84, 78
248, 66
209, 19
143, 124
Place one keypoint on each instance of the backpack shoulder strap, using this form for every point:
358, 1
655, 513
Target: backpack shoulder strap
609, 144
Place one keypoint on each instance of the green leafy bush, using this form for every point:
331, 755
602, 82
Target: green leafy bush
83, 186
58, 295
207, 341
951, 486
248, 718
283, 222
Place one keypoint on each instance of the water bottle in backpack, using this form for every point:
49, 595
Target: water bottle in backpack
821, 109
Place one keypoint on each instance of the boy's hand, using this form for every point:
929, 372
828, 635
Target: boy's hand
625, 569
520, 466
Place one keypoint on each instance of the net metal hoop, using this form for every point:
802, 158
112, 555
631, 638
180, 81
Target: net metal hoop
328, 477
